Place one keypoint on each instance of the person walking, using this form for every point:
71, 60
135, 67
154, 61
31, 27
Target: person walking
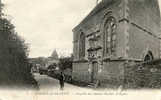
61, 81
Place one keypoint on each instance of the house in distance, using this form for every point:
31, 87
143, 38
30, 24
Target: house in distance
113, 33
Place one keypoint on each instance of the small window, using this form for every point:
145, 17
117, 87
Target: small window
149, 56
82, 45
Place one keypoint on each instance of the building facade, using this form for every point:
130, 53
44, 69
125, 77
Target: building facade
115, 32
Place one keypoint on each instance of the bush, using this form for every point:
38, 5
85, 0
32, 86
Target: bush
65, 63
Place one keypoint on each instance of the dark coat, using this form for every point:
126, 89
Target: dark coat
61, 80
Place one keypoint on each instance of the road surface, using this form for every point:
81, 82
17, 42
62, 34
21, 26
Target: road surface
47, 83
50, 90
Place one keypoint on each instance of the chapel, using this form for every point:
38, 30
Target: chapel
113, 33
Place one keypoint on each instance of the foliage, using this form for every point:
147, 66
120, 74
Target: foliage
14, 66
65, 63
40, 60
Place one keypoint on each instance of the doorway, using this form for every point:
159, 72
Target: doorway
94, 72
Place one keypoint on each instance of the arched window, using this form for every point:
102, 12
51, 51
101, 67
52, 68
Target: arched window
149, 56
110, 36
82, 45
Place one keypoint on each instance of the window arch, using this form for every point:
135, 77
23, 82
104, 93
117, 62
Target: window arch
82, 45
109, 36
149, 56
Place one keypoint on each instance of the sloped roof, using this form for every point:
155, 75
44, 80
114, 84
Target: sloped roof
102, 5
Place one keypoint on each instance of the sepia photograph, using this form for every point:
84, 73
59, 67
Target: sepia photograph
66, 49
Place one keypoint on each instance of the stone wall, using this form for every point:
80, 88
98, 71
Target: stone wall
112, 74
144, 28
80, 72
141, 42
94, 24
146, 14
142, 76
136, 33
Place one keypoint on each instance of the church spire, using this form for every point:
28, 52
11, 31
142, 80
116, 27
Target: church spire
54, 55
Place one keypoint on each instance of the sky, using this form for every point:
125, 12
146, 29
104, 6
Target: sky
47, 25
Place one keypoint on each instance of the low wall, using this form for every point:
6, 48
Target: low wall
142, 76
80, 72
112, 74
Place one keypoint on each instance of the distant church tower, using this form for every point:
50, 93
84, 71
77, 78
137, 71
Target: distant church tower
54, 55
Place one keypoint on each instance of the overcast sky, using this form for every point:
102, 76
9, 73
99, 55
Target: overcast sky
47, 24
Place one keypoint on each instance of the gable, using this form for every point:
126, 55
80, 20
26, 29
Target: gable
101, 6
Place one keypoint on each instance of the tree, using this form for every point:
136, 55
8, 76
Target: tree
65, 63
14, 64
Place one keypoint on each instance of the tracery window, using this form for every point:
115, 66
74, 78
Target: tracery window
82, 45
110, 36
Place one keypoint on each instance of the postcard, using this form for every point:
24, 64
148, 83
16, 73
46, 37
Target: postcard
88, 49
